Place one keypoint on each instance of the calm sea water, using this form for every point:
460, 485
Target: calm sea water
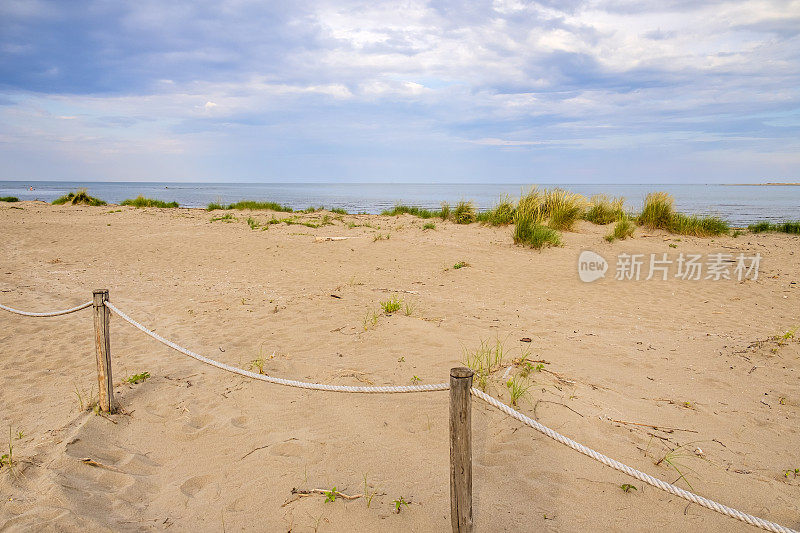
738, 204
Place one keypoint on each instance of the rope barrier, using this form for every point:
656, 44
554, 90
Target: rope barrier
270, 379
646, 478
641, 476
49, 313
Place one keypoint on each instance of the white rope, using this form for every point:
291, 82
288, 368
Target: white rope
278, 381
663, 485
50, 313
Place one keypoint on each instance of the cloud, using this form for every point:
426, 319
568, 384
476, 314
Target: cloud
449, 81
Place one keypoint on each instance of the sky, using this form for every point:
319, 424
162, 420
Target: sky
568, 91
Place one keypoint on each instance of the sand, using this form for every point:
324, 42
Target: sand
195, 448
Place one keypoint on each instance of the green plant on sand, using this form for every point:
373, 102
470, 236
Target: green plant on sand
78, 198
141, 201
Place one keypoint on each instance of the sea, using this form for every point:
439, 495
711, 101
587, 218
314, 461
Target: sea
738, 204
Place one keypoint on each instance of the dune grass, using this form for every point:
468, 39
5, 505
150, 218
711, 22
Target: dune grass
780, 227
141, 201
698, 226
444, 213
603, 210
563, 208
659, 213
502, 214
464, 213
528, 227
9, 199
622, 229
78, 198
251, 205
419, 212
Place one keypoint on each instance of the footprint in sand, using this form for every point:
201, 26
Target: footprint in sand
195, 484
240, 422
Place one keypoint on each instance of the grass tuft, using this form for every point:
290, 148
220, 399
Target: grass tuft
622, 230
562, 208
9, 199
781, 227
141, 201
410, 210
502, 214
528, 228
604, 211
444, 213
464, 213
698, 226
658, 211
391, 305
137, 378
78, 198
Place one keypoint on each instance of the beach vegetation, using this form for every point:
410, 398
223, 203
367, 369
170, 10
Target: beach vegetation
87, 401
141, 201
658, 211
369, 495
392, 304
502, 214
330, 495
530, 233
370, 320
484, 360
517, 388
338, 210
428, 225
780, 227
444, 212
81, 197
381, 237
137, 378
627, 487
409, 308
464, 213
7, 459
258, 364
698, 226
415, 380
411, 210
398, 503
9, 199
253, 223
227, 217
250, 205
673, 459
794, 472
460, 264
562, 208
623, 229
603, 210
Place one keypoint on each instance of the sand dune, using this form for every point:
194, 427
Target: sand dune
196, 448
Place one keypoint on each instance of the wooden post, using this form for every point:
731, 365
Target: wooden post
103, 345
461, 450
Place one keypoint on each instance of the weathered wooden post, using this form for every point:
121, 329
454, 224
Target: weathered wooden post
461, 450
103, 345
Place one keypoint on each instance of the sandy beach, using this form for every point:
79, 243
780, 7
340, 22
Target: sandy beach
703, 373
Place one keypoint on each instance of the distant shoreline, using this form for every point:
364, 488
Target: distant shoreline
771, 184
